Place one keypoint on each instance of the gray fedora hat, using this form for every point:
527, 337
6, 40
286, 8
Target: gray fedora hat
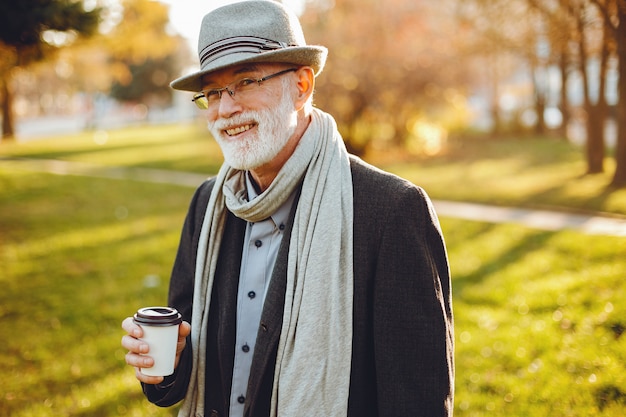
251, 31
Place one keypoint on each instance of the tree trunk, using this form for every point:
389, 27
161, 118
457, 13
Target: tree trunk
599, 113
564, 105
595, 140
619, 178
10, 60
494, 99
8, 130
539, 86
540, 109
595, 121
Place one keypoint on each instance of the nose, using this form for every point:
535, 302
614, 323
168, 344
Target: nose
228, 106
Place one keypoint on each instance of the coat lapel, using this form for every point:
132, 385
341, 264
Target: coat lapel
260, 384
225, 300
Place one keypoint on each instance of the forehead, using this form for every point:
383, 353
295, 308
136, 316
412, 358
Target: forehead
226, 75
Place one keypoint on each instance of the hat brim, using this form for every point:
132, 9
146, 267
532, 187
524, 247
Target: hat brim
311, 55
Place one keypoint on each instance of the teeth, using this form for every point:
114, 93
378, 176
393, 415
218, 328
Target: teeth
238, 130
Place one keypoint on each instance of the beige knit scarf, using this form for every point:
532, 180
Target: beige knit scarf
312, 373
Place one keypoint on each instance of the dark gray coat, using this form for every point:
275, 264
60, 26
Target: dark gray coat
402, 356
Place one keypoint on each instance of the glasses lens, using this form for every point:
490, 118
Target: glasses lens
201, 102
244, 86
240, 87
213, 96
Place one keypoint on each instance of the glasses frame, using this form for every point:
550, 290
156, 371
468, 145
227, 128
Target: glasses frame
201, 99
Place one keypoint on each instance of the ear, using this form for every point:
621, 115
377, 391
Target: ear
305, 84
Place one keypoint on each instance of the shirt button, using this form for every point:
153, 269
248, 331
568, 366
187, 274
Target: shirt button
241, 399
258, 243
245, 348
251, 294
282, 226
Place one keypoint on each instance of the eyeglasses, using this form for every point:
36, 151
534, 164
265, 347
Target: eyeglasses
206, 99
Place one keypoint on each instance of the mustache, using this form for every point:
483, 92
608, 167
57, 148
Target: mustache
249, 117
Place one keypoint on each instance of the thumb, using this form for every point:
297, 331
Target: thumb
184, 329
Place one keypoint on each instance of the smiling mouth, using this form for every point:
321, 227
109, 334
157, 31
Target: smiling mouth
239, 129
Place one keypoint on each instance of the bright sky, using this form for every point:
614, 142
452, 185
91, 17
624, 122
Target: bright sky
186, 15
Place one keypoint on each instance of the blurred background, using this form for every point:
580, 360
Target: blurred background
402, 74
519, 104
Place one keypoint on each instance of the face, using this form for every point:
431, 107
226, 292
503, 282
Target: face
253, 131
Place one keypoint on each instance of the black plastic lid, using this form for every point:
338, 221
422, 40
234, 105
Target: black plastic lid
158, 316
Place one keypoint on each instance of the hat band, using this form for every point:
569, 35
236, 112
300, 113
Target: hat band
239, 44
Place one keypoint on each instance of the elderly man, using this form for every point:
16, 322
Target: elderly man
311, 283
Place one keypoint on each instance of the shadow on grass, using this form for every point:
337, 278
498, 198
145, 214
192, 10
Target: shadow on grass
73, 266
513, 254
113, 392
585, 203
608, 395
140, 145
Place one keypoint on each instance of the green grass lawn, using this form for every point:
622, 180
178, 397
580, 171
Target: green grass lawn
529, 172
539, 315
78, 255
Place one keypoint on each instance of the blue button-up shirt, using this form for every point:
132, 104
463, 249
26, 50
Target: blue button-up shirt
261, 244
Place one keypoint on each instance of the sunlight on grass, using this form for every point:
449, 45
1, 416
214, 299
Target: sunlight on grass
538, 321
525, 172
182, 147
73, 268
539, 316
90, 237
530, 172
100, 397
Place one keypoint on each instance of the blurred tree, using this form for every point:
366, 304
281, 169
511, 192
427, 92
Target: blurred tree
619, 178
591, 45
144, 55
132, 58
614, 15
577, 36
391, 63
586, 33
597, 30
502, 37
31, 30
558, 31
148, 82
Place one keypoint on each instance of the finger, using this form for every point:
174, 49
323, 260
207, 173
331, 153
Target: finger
180, 346
147, 379
128, 324
139, 361
184, 329
134, 345
132, 328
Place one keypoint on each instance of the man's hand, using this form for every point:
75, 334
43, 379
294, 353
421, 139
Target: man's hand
137, 350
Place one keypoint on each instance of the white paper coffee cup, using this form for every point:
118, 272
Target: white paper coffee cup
160, 332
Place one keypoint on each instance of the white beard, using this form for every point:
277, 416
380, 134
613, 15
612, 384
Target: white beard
275, 126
